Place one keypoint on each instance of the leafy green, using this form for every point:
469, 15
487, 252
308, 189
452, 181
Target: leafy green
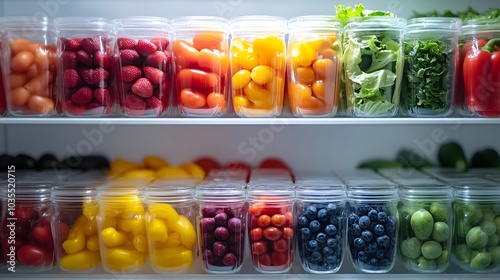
427, 75
470, 13
344, 13
372, 66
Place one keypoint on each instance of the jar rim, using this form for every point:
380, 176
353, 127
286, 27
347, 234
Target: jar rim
315, 22
199, 23
142, 22
251, 23
377, 22
94, 23
433, 24
472, 26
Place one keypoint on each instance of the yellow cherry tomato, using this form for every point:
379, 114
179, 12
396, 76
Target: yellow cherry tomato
174, 240
109, 222
139, 174
154, 162
93, 243
140, 243
171, 172
241, 101
258, 95
163, 211
75, 241
135, 226
262, 74
90, 227
185, 229
178, 258
158, 230
90, 209
118, 259
306, 55
194, 170
240, 79
120, 166
82, 260
319, 44
112, 238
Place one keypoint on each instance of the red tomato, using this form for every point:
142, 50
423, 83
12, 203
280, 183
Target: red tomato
185, 55
25, 214
256, 234
287, 233
216, 100
22, 231
33, 256
272, 233
192, 98
254, 221
264, 221
189, 78
265, 259
279, 258
209, 40
6, 247
255, 209
42, 236
288, 219
280, 245
259, 247
278, 220
207, 163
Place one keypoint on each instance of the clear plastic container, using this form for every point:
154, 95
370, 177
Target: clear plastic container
372, 243
476, 242
320, 215
74, 223
171, 235
200, 51
478, 91
26, 210
87, 66
271, 226
373, 65
121, 226
314, 65
258, 56
145, 70
425, 226
29, 65
3, 104
431, 56
221, 226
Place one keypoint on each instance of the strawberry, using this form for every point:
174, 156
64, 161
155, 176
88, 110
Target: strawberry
155, 75
91, 45
161, 43
153, 103
126, 43
82, 96
134, 105
145, 47
94, 76
70, 78
128, 56
69, 59
72, 44
143, 88
84, 58
102, 96
93, 105
74, 108
127, 87
130, 73
158, 59
102, 60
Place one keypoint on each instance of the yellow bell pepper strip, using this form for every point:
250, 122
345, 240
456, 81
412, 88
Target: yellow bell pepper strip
112, 238
82, 260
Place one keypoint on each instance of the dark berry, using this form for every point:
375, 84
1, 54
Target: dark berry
385, 262
314, 226
208, 212
305, 233
327, 251
371, 248
311, 212
331, 230
321, 237
380, 254
384, 241
379, 229
355, 230
332, 242
331, 259
364, 222
322, 215
331, 209
363, 210
359, 243
353, 219
302, 221
372, 214
362, 256
373, 262
367, 235
390, 226
220, 219
382, 217
333, 220
316, 256
312, 245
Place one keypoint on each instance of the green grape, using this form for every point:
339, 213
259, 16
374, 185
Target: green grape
476, 238
422, 223
431, 250
441, 232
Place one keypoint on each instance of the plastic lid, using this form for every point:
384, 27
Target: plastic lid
271, 191
474, 26
258, 23
84, 23
141, 22
425, 190
26, 23
314, 22
213, 193
73, 192
320, 191
200, 23
169, 192
376, 23
477, 191
31, 192
434, 24
372, 191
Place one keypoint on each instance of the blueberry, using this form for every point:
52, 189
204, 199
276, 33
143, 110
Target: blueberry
327, 251
322, 215
359, 243
312, 245
390, 226
316, 256
302, 221
331, 230
305, 233
331, 259
311, 212
367, 235
372, 214
380, 254
334, 220
314, 226
321, 237
373, 262
379, 229
371, 248
331, 209
372, 226
384, 241
362, 256
385, 262
355, 230
382, 217
364, 222
353, 219
332, 242
363, 210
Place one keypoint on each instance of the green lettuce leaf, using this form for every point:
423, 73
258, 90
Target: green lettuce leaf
344, 13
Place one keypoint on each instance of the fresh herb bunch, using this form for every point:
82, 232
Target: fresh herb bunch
470, 13
344, 13
427, 76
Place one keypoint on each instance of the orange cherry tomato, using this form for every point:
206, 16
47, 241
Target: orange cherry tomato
264, 221
259, 248
196, 78
255, 209
209, 40
272, 233
278, 220
192, 98
185, 54
287, 233
216, 100
304, 75
256, 234
288, 219
209, 61
40, 104
324, 68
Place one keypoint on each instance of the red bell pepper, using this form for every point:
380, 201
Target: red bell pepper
481, 73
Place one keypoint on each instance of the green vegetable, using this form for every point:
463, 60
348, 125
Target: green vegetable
426, 264
470, 13
440, 232
427, 79
410, 158
481, 260
411, 247
48, 161
487, 158
495, 255
422, 223
493, 240
451, 154
476, 238
22, 161
463, 228
488, 227
344, 13
464, 253
431, 250
439, 212
473, 213
379, 164
497, 223
444, 258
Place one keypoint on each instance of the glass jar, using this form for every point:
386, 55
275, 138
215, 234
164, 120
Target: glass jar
121, 226
372, 243
373, 65
28, 246
320, 218
271, 226
3, 104
425, 226
145, 69
431, 56
478, 91
87, 66
29, 65
258, 55
74, 223
221, 226
200, 51
476, 242
171, 234
314, 66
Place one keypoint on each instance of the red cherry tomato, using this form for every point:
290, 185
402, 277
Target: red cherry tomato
254, 221
25, 214
209, 40
287, 233
22, 231
192, 98
273, 163
279, 258
42, 236
255, 209
278, 220
280, 245
272, 233
189, 78
288, 219
265, 259
259, 247
207, 163
185, 54
264, 221
16, 243
33, 256
256, 234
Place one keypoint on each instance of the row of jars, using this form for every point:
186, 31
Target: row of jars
120, 225
201, 66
